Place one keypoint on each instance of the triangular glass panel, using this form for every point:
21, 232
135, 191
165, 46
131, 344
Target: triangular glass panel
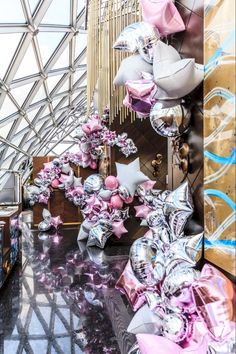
28, 65
80, 43
63, 60
33, 4
64, 343
11, 12
5, 130
35, 326
40, 95
46, 313
5, 164
10, 346
9, 42
64, 87
58, 14
39, 346
66, 314
23, 124
42, 299
65, 104
52, 81
24, 313
59, 327
7, 108
17, 140
20, 93
55, 102
31, 114
48, 42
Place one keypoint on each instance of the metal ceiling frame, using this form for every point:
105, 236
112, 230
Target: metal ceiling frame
53, 119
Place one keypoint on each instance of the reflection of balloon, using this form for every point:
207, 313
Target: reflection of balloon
171, 121
111, 183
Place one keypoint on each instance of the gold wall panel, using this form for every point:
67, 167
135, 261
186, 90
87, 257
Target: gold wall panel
219, 133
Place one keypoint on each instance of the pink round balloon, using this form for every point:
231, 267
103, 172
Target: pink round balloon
116, 201
111, 183
129, 200
93, 165
55, 183
86, 129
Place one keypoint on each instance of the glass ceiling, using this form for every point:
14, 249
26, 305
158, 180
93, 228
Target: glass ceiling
42, 78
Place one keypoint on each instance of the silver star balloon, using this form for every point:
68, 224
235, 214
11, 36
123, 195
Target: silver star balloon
179, 199
130, 176
99, 234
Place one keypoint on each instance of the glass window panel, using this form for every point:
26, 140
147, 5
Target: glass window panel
20, 93
81, 4
23, 124
48, 42
40, 95
7, 108
63, 60
16, 140
80, 43
65, 103
10, 151
33, 4
58, 14
29, 65
9, 42
52, 81
31, 114
5, 130
6, 164
55, 102
65, 87
11, 11
46, 112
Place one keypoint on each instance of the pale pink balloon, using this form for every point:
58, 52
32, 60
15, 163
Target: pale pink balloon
152, 344
116, 201
93, 165
55, 183
129, 200
86, 128
111, 183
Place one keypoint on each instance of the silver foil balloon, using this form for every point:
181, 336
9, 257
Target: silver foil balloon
141, 257
178, 279
123, 192
159, 268
44, 225
93, 183
135, 349
177, 222
156, 218
175, 327
187, 250
163, 234
170, 121
179, 199
121, 214
105, 194
99, 234
139, 36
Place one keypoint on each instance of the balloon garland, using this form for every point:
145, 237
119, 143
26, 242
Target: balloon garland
91, 136
178, 307
155, 76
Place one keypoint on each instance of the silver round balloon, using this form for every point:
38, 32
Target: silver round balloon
175, 327
156, 218
123, 192
44, 225
137, 36
141, 258
93, 183
170, 121
178, 279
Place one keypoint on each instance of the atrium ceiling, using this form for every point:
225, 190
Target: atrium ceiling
42, 78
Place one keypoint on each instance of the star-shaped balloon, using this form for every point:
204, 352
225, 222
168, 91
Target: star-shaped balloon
130, 175
56, 221
77, 182
118, 228
98, 236
142, 211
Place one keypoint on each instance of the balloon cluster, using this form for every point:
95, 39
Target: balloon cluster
91, 136
155, 76
179, 308
102, 203
49, 221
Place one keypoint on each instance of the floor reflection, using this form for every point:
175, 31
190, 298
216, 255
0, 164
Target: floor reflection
57, 300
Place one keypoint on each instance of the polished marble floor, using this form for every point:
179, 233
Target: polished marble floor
60, 298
